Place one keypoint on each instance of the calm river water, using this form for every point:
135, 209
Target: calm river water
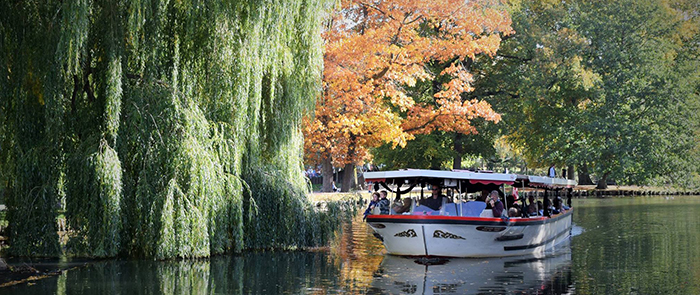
647, 245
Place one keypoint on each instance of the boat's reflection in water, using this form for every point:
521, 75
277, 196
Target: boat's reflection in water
546, 273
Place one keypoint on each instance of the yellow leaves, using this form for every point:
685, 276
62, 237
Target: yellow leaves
398, 98
584, 104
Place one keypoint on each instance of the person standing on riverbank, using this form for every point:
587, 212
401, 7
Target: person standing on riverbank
552, 171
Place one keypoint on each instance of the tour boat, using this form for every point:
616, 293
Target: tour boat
466, 228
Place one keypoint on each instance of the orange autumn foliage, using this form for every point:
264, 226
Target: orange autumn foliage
375, 50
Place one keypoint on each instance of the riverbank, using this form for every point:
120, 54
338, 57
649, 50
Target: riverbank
578, 191
355, 196
18, 271
627, 190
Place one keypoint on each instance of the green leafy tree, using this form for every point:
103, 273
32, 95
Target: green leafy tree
601, 85
438, 150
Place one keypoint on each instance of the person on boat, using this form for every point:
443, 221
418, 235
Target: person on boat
513, 212
372, 204
383, 203
435, 201
532, 206
512, 198
488, 197
558, 205
496, 204
547, 207
403, 206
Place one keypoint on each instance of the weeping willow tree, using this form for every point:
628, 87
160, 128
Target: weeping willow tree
166, 128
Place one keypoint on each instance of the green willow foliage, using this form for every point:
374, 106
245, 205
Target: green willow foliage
170, 127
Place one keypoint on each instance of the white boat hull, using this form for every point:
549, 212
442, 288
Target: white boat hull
453, 236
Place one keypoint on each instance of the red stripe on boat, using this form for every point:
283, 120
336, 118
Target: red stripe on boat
375, 179
463, 218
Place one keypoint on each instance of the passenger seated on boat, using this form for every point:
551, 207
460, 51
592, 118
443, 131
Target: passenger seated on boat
513, 212
402, 206
562, 206
383, 203
532, 206
510, 200
488, 198
372, 204
435, 201
558, 205
523, 209
496, 204
547, 208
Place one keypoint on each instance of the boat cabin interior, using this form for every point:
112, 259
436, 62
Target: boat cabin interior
464, 193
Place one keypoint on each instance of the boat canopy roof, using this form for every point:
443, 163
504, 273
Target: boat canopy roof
433, 176
465, 179
544, 182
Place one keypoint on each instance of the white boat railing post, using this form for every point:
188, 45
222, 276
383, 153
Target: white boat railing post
546, 203
524, 205
459, 208
505, 199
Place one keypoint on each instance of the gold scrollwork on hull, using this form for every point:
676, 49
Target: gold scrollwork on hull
445, 235
407, 234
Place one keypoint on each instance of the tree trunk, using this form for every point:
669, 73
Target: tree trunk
570, 172
603, 181
459, 150
349, 178
327, 173
583, 177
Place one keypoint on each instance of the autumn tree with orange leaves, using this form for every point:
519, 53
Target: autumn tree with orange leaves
375, 52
